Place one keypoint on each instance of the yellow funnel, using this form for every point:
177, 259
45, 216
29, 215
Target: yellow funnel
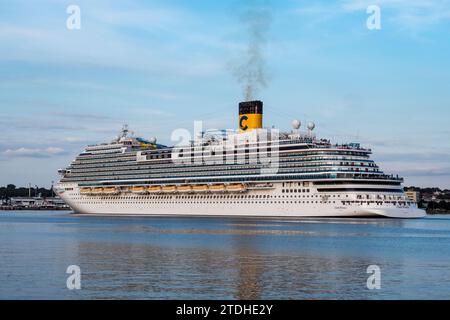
250, 115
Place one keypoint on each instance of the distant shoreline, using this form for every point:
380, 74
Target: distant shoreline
437, 211
12, 208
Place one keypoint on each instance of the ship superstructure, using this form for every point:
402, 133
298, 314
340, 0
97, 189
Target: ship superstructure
249, 172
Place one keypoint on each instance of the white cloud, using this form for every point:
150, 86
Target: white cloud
73, 139
54, 150
406, 14
33, 152
106, 39
352, 5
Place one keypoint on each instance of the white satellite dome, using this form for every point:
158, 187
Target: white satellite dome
311, 125
296, 124
153, 140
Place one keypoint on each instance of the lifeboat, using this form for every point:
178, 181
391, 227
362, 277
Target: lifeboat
139, 189
184, 188
96, 191
200, 188
169, 189
85, 191
154, 189
216, 188
110, 190
239, 187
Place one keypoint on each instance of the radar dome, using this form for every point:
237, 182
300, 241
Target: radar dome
153, 140
296, 124
311, 126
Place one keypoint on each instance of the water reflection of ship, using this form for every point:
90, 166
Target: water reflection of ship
263, 273
125, 269
145, 262
249, 268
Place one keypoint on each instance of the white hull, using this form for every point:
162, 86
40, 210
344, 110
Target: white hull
251, 203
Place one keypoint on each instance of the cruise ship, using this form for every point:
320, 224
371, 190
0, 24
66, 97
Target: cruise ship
250, 171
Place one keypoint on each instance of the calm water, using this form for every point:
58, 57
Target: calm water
219, 258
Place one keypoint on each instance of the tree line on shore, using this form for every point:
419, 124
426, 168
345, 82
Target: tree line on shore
11, 191
435, 206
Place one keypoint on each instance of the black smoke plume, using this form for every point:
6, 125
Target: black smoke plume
251, 69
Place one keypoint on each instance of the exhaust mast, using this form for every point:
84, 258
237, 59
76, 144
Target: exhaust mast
250, 115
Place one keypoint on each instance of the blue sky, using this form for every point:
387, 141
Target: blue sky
160, 65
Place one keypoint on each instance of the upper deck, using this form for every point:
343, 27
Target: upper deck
261, 154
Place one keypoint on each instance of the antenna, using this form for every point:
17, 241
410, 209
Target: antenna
124, 131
